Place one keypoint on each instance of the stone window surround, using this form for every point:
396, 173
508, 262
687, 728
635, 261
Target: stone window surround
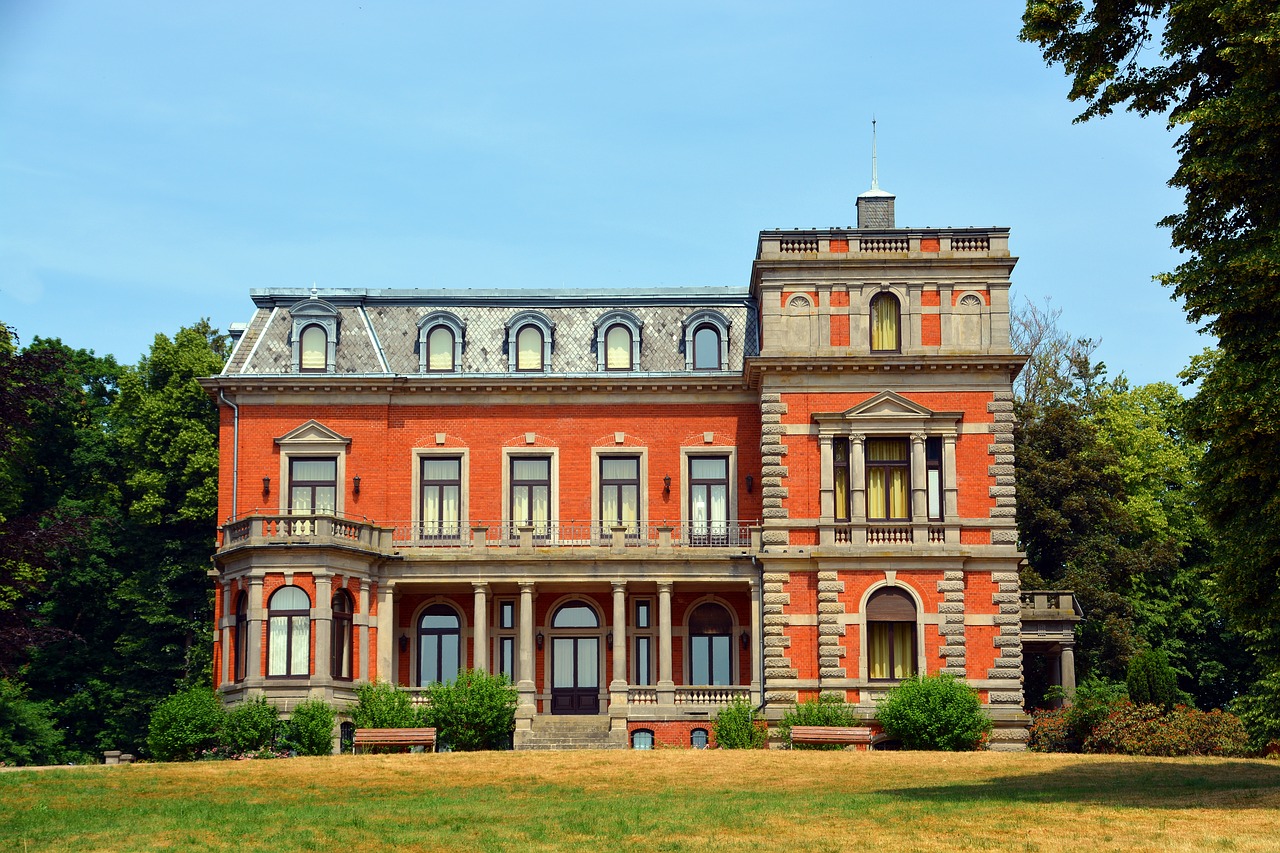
415, 646
538, 321
686, 638
464, 475
312, 439
527, 452
687, 453
456, 327
864, 662
690, 326
608, 320
314, 312
618, 451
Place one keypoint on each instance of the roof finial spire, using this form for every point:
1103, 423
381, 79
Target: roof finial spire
315, 291
875, 168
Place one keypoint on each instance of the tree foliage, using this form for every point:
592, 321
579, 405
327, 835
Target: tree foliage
476, 711
1211, 68
934, 712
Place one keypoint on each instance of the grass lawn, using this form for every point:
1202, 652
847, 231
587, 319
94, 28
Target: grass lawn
663, 800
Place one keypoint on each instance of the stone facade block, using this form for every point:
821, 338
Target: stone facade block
950, 586
830, 586
776, 577
776, 512
951, 607
775, 537
777, 598
773, 408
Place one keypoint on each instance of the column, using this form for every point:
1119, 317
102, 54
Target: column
619, 636
1068, 665
480, 627
666, 685
324, 626
226, 623
858, 477
826, 480
757, 631
386, 634
253, 663
362, 619
919, 490
525, 685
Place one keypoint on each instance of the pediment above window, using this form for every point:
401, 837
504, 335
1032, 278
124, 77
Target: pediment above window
312, 434
888, 413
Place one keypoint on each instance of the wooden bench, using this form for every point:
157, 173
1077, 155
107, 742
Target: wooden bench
835, 735
395, 737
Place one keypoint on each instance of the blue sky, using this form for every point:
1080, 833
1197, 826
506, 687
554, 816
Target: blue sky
159, 159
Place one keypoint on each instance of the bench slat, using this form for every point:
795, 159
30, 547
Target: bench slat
831, 734
395, 737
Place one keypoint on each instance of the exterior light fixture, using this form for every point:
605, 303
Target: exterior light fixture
539, 639
404, 643
746, 641
666, 485
751, 481
355, 485
266, 487
608, 639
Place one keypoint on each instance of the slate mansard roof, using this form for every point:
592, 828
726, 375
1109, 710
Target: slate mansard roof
378, 330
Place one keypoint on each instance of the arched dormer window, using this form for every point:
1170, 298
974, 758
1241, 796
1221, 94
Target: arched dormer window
617, 341
886, 330
314, 336
706, 341
530, 341
441, 339
891, 635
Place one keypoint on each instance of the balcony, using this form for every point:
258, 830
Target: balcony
879, 534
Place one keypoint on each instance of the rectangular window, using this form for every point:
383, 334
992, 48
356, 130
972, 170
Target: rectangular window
507, 614
506, 656
440, 499
642, 613
531, 493
313, 486
709, 498
710, 658
888, 479
891, 649
644, 661
840, 452
933, 469
620, 492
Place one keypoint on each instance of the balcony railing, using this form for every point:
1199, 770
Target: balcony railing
880, 533
705, 696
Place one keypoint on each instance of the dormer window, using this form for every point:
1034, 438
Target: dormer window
314, 349
529, 342
706, 341
885, 328
617, 348
706, 348
617, 341
529, 348
440, 342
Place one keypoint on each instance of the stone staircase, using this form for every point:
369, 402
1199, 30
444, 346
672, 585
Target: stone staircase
570, 732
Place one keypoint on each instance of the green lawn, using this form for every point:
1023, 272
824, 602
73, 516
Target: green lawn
664, 800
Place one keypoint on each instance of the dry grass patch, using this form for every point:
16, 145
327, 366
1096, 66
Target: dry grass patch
664, 800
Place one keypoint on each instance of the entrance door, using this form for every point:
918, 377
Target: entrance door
575, 675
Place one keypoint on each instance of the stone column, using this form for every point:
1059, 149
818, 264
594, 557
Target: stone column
324, 626
1068, 666
366, 653
919, 480
618, 685
227, 627
858, 477
480, 628
253, 662
666, 685
386, 633
757, 626
826, 490
525, 685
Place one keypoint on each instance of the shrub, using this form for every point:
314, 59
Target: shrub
822, 710
250, 726
184, 724
738, 726
1259, 710
1051, 732
477, 711
1146, 730
27, 731
1151, 681
934, 712
310, 729
383, 706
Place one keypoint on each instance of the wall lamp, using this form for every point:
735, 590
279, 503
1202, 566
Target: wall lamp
404, 643
751, 482
266, 487
539, 639
746, 641
666, 485
608, 638
355, 485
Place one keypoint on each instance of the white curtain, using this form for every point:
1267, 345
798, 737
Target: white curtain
278, 645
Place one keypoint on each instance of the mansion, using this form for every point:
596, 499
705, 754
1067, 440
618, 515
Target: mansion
637, 504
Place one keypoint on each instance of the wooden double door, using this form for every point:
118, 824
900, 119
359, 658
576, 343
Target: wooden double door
575, 675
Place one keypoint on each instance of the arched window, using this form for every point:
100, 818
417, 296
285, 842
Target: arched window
575, 614
241, 637
617, 343
885, 328
642, 739
698, 738
289, 632
439, 634
314, 350
710, 649
340, 653
529, 348
706, 348
891, 635
440, 349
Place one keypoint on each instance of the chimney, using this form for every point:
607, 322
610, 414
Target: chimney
875, 206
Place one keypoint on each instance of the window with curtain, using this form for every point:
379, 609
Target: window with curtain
643, 627
891, 635
933, 479
710, 646
289, 632
885, 331
314, 350
313, 486
840, 455
242, 637
440, 349
441, 496
888, 479
439, 645
343, 629
620, 492
706, 348
617, 346
709, 497
529, 348
531, 493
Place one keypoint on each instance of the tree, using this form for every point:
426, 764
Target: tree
1215, 77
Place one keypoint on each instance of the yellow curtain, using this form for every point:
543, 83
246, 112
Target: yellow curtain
884, 323
904, 659
897, 493
878, 649
842, 493
888, 488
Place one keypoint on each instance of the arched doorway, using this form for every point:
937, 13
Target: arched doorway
575, 660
